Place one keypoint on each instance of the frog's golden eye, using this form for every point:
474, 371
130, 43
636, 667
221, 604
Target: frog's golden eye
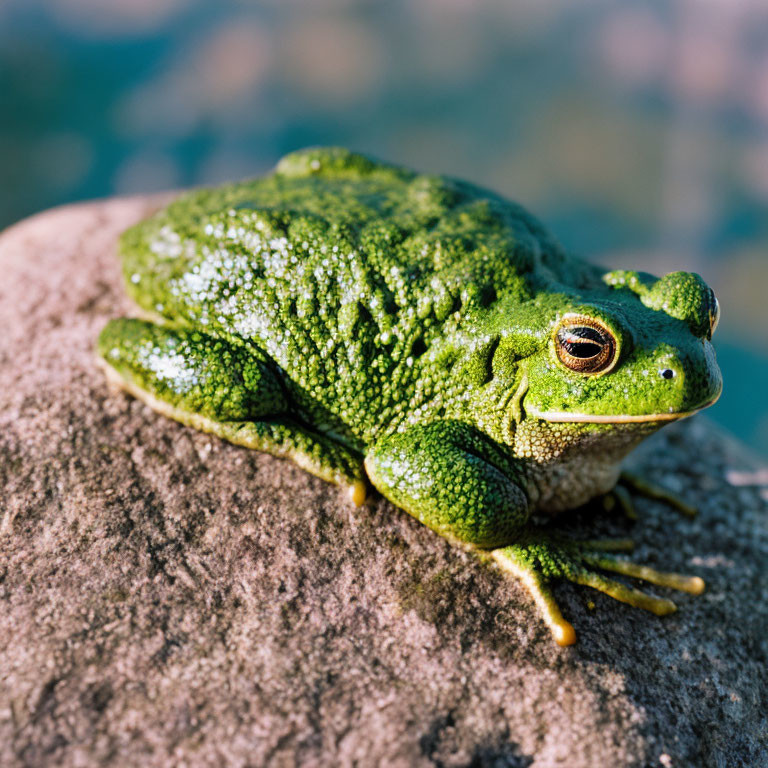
585, 346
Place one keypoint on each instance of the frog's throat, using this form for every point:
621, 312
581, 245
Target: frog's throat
611, 418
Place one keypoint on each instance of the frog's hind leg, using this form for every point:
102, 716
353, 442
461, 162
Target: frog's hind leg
629, 481
224, 389
619, 497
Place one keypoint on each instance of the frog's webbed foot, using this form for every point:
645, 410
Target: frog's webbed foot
628, 481
538, 559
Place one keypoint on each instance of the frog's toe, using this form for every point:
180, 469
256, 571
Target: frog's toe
562, 630
643, 487
620, 497
624, 593
358, 492
694, 585
608, 545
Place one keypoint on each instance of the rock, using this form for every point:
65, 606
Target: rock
168, 598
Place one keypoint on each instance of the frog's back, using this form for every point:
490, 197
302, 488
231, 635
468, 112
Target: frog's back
344, 270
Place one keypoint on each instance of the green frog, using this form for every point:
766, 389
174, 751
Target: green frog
423, 336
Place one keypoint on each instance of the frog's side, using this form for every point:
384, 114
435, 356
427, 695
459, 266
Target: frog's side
368, 321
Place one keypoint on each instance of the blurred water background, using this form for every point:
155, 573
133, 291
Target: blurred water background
638, 131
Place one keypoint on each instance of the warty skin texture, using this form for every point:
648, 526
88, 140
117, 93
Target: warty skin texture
368, 321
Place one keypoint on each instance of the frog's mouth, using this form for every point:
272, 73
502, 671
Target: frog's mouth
611, 418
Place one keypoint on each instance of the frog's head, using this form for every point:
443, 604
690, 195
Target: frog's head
638, 353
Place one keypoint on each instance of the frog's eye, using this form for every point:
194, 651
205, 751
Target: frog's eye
585, 346
714, 313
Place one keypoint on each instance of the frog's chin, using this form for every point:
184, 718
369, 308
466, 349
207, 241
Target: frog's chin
615, 418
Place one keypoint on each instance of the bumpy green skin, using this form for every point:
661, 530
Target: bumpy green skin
348, 313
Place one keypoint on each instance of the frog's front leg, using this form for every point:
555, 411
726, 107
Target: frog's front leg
229, 390
464, 487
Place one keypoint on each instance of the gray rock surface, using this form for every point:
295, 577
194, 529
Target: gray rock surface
169, 599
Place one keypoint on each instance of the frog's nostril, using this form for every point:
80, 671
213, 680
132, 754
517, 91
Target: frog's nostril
666, 373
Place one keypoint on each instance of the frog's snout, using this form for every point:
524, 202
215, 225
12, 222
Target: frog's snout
690, 378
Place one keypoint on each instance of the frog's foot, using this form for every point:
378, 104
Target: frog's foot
538, 559
628, 481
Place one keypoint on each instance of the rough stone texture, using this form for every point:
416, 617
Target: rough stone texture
169, 599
